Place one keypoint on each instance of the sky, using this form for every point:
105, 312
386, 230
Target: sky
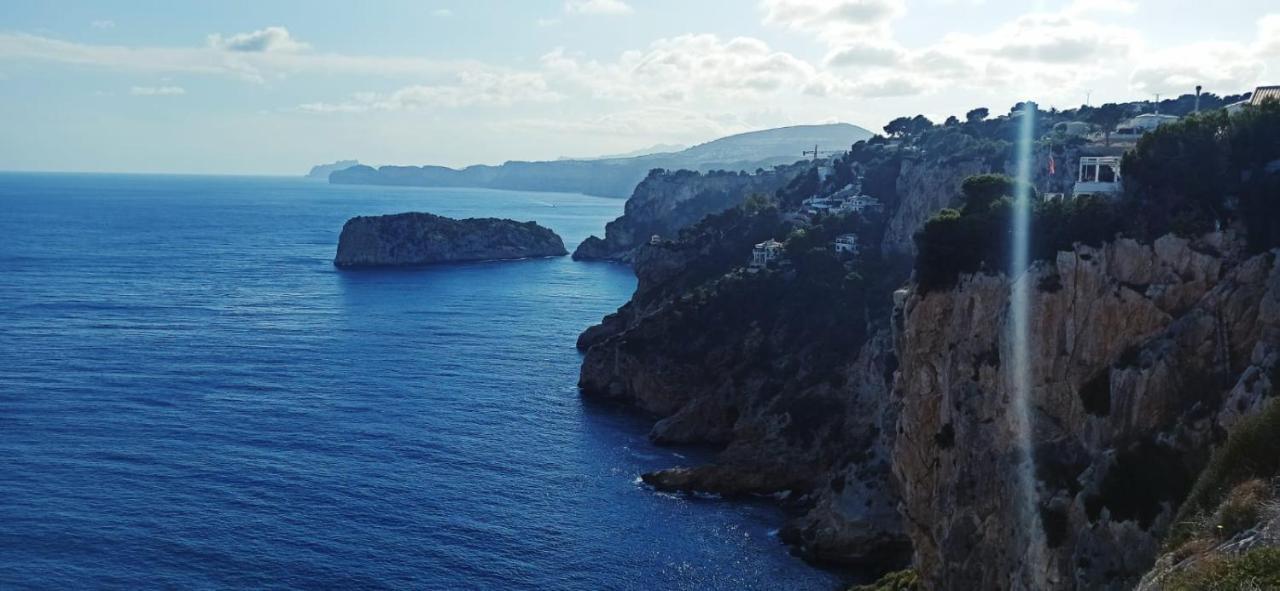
273, 87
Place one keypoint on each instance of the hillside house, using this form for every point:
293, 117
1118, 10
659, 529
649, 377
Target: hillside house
1099, 175
766, 252
846, 244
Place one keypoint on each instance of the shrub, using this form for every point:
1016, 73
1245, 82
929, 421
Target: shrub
1243, 508
903, 580
1250, 452
978, 237
1256, 569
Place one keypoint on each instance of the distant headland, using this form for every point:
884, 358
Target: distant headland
617, 177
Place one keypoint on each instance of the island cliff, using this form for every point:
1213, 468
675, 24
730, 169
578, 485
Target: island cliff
421, 238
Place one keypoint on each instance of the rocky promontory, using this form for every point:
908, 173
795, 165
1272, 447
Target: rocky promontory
407, 239
666, 202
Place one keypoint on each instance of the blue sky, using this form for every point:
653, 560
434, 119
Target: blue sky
273, 87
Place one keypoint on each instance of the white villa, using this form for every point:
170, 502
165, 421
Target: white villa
845, 201
1141, 124
1099, 175
846, 244
766, 252
655, 240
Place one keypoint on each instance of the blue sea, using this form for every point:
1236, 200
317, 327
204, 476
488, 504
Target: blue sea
191, 396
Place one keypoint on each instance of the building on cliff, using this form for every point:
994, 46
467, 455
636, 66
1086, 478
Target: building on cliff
1099, 175
846, 244
766, 252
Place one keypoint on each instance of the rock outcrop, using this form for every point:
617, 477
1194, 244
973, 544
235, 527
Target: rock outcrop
665, 203
1142, 357
421, 238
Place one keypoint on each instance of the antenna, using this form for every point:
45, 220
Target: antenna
1087, 95
1157, 103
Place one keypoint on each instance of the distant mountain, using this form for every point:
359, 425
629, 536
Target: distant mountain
321, 171
651, 150
617, 177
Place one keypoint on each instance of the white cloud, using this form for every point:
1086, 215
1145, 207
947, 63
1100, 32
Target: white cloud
268, 39
252, 66
442, 12
1220, 67
686, 68
597, 7
547, 22
1094, 7
157, 91
833, 20
865, 52
103, 24
1269, 36
471, 88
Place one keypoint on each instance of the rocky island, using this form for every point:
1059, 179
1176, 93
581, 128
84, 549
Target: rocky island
408, 239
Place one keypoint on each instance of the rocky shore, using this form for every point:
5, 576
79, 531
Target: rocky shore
408, 239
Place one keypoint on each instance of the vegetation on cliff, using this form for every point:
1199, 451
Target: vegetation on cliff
1188, 177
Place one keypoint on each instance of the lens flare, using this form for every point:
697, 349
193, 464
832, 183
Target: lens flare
1033, 543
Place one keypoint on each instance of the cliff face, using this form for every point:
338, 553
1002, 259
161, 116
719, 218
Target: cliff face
1141, 358
780, 368
926, 187
666, 202
423, 238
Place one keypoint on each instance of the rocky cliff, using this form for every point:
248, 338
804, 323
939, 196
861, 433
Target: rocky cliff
1142, 357
422, 238
780, 368
666, 202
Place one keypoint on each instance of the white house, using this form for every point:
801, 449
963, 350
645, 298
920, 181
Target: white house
1144, 123
860, 204
846, 244
842, 202
1099, 175
766, 252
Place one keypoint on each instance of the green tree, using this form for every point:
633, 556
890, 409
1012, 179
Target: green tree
977, 114
898, 127
1107, 117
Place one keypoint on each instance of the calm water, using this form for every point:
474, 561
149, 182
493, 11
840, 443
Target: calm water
192, 396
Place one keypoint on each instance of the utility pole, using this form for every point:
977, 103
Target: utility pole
814, 152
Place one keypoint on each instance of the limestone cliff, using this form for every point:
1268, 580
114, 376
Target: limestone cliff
422, 238
1141, 357
666, 202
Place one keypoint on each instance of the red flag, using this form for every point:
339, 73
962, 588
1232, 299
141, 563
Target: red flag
1052, 167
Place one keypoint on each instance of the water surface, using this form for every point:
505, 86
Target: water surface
192, 396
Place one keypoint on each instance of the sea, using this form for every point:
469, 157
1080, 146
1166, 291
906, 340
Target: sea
193, 397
